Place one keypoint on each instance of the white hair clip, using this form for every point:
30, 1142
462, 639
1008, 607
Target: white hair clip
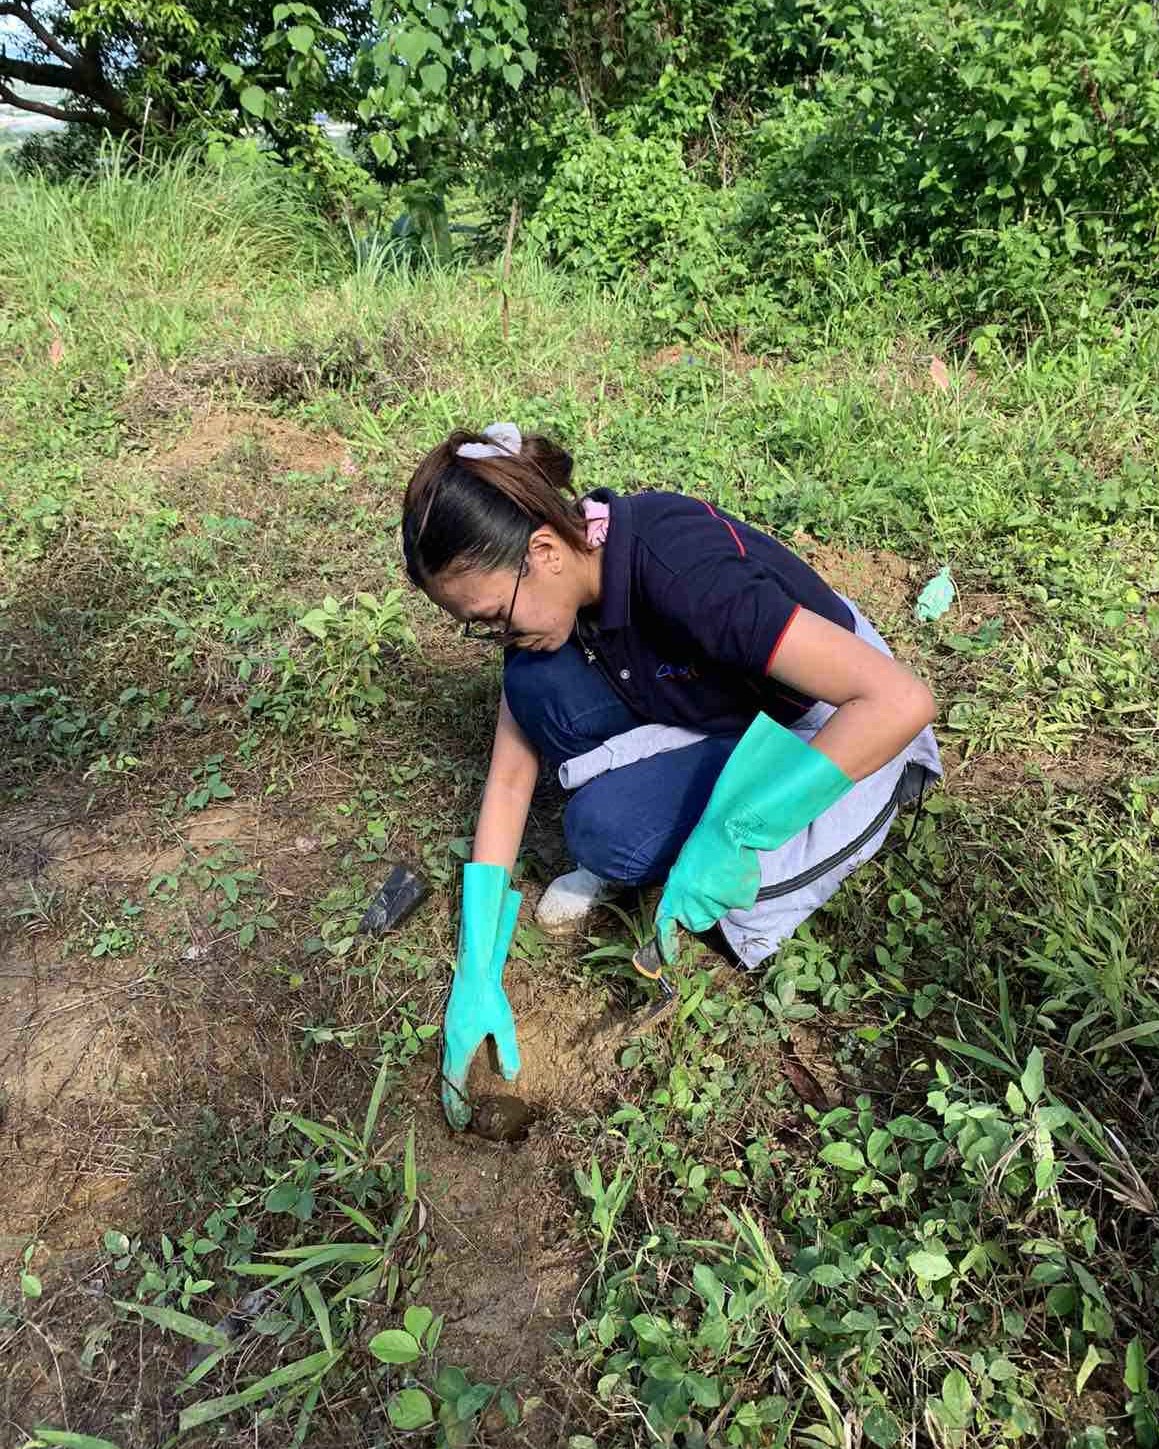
508, 442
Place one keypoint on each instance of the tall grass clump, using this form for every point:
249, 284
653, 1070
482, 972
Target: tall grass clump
166, 248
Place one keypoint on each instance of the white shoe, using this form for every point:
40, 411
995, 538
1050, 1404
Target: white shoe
570, 899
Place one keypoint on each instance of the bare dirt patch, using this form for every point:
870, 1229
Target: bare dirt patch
1088, 769
84, 1038
237, 444
567, 1044
880, 583
507, 1267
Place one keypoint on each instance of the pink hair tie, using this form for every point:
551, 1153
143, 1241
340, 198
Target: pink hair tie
596, 517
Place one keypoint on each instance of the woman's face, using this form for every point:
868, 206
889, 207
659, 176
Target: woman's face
555, 583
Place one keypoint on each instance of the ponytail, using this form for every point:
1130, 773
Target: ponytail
461, 513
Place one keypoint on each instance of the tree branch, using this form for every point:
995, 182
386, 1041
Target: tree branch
41, 108
24, 14
81, 81
40, 73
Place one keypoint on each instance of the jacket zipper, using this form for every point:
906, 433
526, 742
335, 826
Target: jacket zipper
823, 867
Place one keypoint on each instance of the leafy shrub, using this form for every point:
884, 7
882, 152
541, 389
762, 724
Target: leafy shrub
998, 134
617, 203
989, 156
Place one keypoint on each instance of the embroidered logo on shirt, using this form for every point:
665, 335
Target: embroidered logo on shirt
682, 672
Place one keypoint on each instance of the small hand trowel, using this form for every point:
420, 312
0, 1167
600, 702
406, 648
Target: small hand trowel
647, 962
400, 894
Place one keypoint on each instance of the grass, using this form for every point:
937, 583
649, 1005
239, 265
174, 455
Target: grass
901, 1188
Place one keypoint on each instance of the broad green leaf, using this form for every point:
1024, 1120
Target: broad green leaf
434, 76
1089, 1364
281, 1199
416, 1320
174, 1322
958, 1399
930, 1266
666, 1369
301, 37
911, 1129
708, 1285
254, 100
649, 1329
210, 1409
1135, 1375
450, 1383
116, 1243
843, 1155
1033, 1078
881, 1428
477, 1397
412, 45
705, 1391
829, 1275
30, 1285
233, 73
513, 74
410, 1409
877, 1146
394, 1345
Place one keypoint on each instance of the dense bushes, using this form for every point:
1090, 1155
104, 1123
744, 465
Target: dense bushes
990, 154
761, 165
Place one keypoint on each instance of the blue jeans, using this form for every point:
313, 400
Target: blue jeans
629, 824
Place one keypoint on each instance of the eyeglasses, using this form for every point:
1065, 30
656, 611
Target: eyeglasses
488, 633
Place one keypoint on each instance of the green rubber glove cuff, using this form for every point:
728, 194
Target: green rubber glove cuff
773, 786
478, 1006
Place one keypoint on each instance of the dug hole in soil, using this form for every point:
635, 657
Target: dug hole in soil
506, 1268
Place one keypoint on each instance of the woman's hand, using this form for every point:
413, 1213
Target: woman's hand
880, 705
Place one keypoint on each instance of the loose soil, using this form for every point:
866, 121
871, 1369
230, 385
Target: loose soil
220, 448
882, 585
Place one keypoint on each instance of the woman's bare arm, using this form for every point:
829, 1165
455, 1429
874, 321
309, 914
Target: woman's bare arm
880, 705
507, 793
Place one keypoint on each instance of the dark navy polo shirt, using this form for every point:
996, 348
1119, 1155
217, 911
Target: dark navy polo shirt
693, 607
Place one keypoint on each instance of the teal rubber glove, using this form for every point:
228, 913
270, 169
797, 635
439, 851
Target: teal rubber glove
773, 786
478, 1007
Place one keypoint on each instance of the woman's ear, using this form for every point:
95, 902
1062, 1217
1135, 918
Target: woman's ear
545, 548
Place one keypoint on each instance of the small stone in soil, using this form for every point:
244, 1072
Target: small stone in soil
502, 1119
